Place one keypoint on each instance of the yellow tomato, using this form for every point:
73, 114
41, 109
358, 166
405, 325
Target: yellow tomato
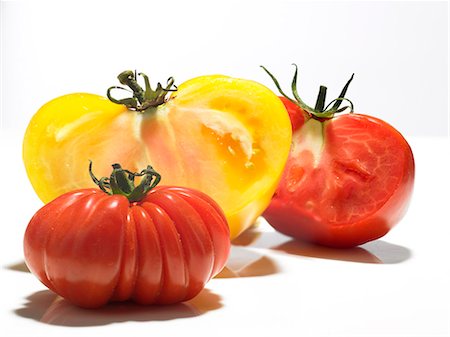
227, 137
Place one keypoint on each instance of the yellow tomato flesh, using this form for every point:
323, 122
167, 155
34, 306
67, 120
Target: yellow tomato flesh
227, 137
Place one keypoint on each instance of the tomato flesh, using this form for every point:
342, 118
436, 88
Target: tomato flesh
348, 180
226, 137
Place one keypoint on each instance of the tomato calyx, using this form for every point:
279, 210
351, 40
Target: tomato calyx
122, 182
142, 100
320, 110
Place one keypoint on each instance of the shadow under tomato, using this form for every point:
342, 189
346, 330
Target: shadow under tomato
244, 262
47, 307
356, 254
378, 251
388, 253
248, 237
19, 266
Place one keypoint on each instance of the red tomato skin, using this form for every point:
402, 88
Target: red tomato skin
296, 114
93, 248
345, 154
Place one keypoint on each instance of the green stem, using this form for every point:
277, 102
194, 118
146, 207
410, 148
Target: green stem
142, 100
121, 182
341, 96
128, 78
320, 111
320, 103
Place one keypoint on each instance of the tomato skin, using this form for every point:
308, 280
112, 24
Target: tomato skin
346, 184
296, 114
93, 248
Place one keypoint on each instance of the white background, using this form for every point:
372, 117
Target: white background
396, 286
397, 50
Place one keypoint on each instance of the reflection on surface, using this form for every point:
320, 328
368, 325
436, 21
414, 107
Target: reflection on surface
19, 266
247, 263
46, 307
377, 251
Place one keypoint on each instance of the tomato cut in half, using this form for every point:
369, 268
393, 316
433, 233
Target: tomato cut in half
348, 180
226, 137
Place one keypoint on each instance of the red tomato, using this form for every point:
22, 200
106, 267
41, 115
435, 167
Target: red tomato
92, 248
348, 179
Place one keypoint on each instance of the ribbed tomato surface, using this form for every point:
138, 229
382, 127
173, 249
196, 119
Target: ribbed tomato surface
92, 248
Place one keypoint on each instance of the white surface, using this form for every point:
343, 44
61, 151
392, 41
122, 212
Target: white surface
396, 286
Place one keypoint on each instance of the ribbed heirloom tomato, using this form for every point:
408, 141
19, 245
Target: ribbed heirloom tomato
226, 137
145, 243
348, 179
